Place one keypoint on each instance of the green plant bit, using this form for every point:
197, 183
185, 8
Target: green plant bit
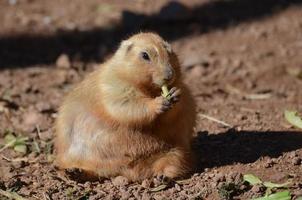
284, 195
293, 119
18, 143
252, 179
165, 91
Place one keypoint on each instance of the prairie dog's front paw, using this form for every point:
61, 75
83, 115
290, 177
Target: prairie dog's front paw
162, 104
174, 95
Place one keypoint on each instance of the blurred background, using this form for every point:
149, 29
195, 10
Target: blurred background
242, 59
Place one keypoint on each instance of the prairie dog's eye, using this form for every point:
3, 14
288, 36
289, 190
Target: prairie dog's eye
145, 56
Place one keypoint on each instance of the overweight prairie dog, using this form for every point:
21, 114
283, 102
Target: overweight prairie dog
116, 122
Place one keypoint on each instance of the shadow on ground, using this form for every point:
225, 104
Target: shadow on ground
214, 150
173, 21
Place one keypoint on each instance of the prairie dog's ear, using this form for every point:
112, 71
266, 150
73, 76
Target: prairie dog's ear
168, 47
126, 45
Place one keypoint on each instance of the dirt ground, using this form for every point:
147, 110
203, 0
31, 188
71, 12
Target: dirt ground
240, 58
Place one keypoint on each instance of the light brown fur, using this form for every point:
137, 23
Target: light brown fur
113, 123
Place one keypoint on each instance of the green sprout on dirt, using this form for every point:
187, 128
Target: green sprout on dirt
18, 143
293, 118
269, 195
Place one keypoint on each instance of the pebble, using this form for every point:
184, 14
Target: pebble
269, 163
256, 189
146, 183
120, 181
219, 178
296, 161
177, 187
63, 62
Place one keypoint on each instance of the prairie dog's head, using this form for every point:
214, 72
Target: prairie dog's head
147, 60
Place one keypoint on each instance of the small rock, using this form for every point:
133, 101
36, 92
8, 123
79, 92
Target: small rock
157, 181
296, 161
87, 184
63, 62
219, 178
177, 187
256, 189
206, 169
120, 181
211, 175
146, 183
269, 163
292, 154
234, 177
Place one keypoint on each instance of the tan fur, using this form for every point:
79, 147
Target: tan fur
112, 123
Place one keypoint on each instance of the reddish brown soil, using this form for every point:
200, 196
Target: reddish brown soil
233, 53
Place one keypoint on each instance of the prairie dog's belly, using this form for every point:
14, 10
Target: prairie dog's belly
86, 134
91, 139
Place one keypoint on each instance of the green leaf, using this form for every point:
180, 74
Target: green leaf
275, 185
21, 140
292, 118
284, 195
299, 198
251, 179
9, 138
21, 148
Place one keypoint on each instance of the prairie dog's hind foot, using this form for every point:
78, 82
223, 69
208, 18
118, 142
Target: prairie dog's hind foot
174, 164
81, 175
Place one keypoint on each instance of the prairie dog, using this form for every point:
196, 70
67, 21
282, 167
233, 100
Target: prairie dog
116, 122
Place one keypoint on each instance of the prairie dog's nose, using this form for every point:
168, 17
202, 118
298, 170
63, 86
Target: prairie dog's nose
168, 73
